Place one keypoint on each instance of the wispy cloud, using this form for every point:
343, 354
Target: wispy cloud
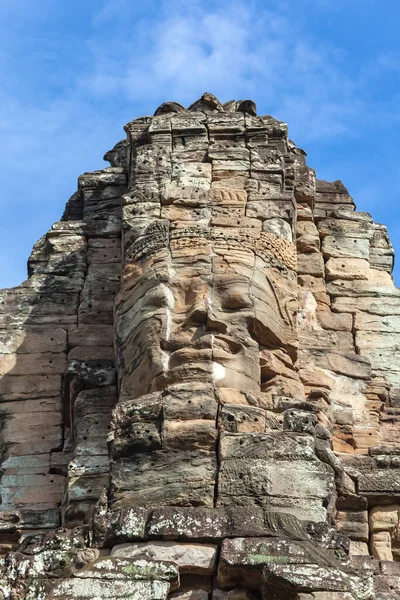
234, 50
73, 73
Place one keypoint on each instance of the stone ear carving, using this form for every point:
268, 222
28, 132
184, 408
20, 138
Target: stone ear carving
169, 107
247, 106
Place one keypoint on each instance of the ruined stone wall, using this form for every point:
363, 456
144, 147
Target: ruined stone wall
199, 378
57, 369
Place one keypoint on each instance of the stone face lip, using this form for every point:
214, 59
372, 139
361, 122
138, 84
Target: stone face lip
199, 380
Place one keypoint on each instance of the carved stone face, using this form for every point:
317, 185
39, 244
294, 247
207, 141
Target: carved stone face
205, 325
205, 302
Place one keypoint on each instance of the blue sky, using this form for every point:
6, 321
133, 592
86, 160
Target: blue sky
73, 73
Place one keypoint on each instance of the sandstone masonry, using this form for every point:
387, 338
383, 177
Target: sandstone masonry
200, 379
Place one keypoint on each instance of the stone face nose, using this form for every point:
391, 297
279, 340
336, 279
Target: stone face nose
199, 380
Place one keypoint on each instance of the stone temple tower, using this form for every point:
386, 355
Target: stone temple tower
200, 379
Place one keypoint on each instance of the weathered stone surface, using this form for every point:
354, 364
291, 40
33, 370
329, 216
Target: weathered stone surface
280, 565
310, 576
353, 524
79, 589
381, 546
202, 368
347, 268
384, 518
191, 595
190, 558
235, 594
382, 482
190, 523
117, 567
161, 478
358, 548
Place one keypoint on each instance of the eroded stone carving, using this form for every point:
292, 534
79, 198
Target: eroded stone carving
197, 379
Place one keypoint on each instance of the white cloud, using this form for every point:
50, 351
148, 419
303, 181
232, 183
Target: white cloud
235, 50
58, 123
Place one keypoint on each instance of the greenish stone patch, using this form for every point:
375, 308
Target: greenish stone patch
265, 558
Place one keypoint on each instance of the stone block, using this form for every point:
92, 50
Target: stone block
384, 482
80, 589
350, 365
347, 268
338, 246
183, 478
307, 237
189, 523
311, 264
261, 471
268, 561
350, 228
320, 579
91, 336
358, 548
353, 524
190, 401
190, 595
241, 419
381, 545
382, 259
117, 567
196, 434
327, 187
235, 594
27, 341
335, 321
279, 227
189, 558
384, 518
270, 209
30, 364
